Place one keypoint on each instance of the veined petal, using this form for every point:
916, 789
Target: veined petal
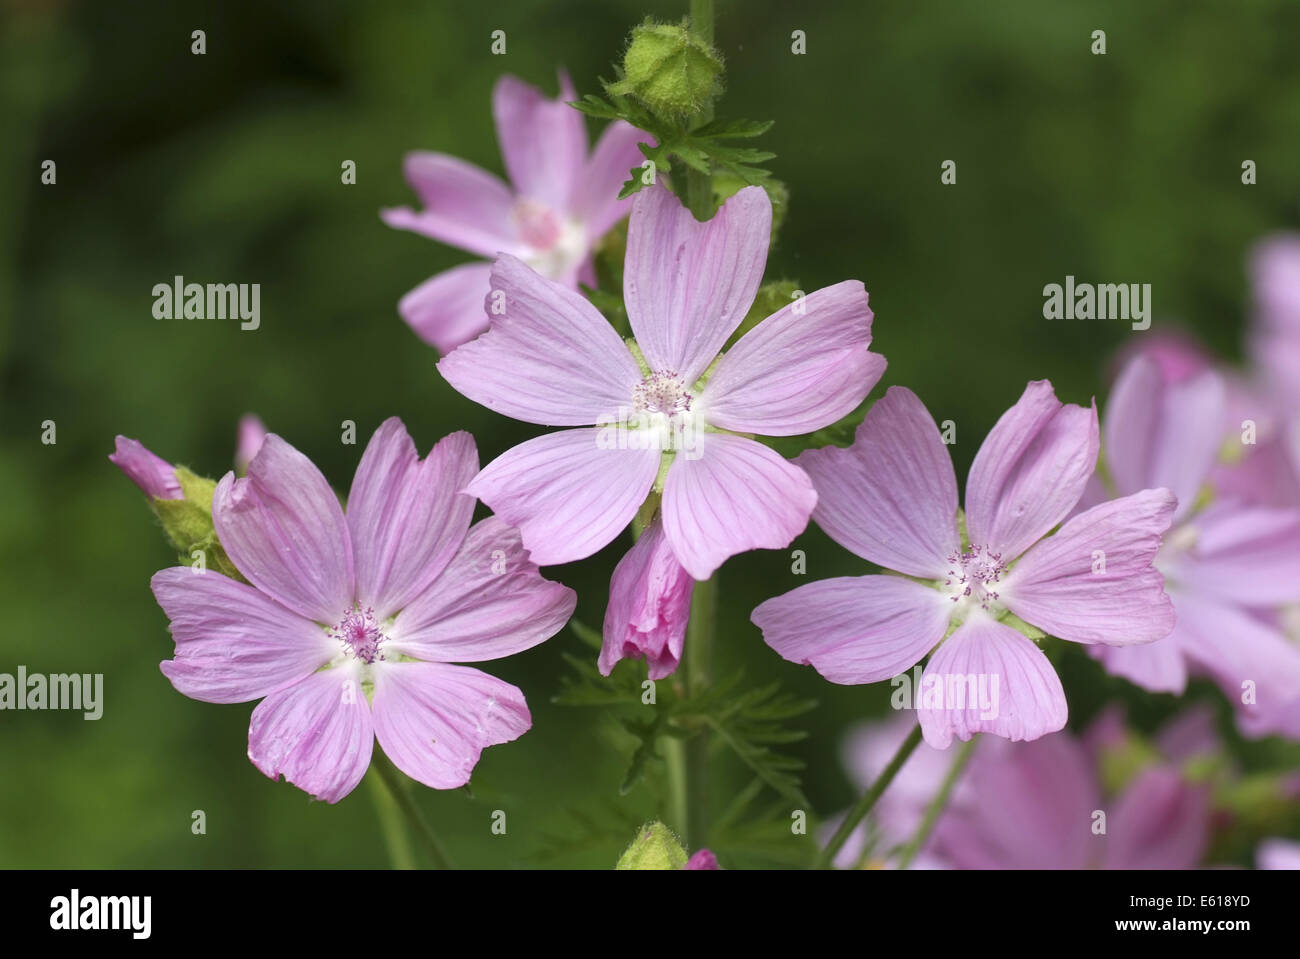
1158, 667
1248, 555
283, 528
988, 678
596, 202
1030, 471
649, 606
733, 495
434, 720
891, 497
464, 206
1093, 580
491, 601
688, 284
800, 369
543, 141
549, 358
407, 516
446, 310
568, 494
855, 629
233, 643
1159, 822
317, 733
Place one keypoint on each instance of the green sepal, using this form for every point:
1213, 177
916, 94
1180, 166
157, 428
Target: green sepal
655, 847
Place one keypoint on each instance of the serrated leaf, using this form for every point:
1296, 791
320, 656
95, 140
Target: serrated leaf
594, 106
732, 129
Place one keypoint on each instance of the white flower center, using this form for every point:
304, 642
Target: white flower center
973, 580
359, 635
662, 404
556, 244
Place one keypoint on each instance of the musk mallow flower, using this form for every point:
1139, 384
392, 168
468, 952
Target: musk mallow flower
354, 619
559, 203
891, 498
665, 413
1229, 566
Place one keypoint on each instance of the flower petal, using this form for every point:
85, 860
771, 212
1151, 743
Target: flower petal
1158, 667
446, 310
800, 369
1093, 580
283, 528
988, 678
891, 497
595, 202
233, 643
433, 720
464, 206
733, 495
855, 629
568, 495
688, 284
543, 141
146, 469
1244, 555
407, 517
490, 601
1030, 471
549, 358
1159, 822
317, 733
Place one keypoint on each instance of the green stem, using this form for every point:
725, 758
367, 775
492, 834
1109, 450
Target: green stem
675, 759
699, 186
869, 799
937, 804
396, 840
400, 797
699, 676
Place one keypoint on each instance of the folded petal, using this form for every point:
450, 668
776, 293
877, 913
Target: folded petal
855, 629
731, 496
988, 678
549, 357
595, 201
407, 517
649, 606
1159, 822
1093, 580
891, 497
491, 601
543, 141
433, 720
464, 206
153, 474
567, 493
1249, 555
1030, 471
446, 310
317, 733
283, 528
688, 284
800, 369
233, 643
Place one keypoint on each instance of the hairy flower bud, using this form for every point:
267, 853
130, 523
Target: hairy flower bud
671, 71
655, 847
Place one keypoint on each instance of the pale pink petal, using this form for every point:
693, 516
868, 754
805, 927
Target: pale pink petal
891, 497
649, 606
855, 629
233, 644
283, 528
407, 517
249, 437
1093, 580
446, 310
732, 495
988, 678
153, 474
1278, 854
433, 720
1244, 555
490, 601
543, 141
800, 369
595, 202
317, 733
1159, 822
688, 284
567, 493
1158, 667
549, 357
464, 206
1030, 471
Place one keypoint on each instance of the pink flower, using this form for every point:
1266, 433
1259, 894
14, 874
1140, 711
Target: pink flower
673, 423
703, 859
1228, 566
1278, 854
1275, 336
153, 474
560, 202
891, 498
249, 438
649, 605
352, 621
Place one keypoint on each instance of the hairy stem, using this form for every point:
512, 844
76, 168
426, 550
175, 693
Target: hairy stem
699, 676
937, 804
396, 840
699, 186
398, 793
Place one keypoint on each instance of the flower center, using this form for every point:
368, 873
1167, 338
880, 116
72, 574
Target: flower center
557, 245
359, 633
663, 393
973, 577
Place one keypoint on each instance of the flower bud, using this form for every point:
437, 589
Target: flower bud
649, 605
671, 71
703, 859
248, 440
655, 847
153, 474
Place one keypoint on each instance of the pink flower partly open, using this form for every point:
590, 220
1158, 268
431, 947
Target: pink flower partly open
353, 620
671, 413
559, 203
146, 469
891, 498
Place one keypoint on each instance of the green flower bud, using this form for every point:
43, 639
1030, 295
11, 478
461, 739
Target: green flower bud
671, 71
187, 522
655, 847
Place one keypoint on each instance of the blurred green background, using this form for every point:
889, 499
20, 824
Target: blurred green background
225, 167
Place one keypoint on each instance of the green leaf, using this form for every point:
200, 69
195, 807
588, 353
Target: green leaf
732, 129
